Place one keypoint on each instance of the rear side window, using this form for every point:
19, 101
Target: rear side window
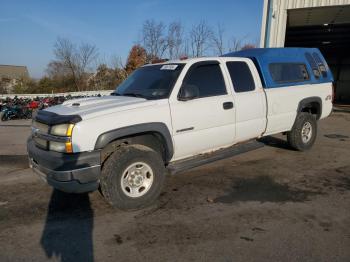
313, 65
288, 72
241, 77
208, 79
320, 64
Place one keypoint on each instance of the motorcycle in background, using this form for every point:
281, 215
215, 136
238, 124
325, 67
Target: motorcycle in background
15, 112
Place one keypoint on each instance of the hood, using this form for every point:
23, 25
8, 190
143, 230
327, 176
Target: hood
96, 106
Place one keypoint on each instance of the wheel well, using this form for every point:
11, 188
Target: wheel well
153, 140
312, 108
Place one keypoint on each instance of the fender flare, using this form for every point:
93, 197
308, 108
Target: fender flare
155, 127
309, 100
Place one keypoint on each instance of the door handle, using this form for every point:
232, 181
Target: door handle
227, 105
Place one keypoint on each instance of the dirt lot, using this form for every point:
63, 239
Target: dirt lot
272, 204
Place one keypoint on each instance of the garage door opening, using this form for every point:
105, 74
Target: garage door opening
327, 28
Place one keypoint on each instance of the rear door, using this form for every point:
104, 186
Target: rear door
249, 97
206, 122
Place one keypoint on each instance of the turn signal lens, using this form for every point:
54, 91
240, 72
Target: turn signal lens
70, 130
69, 147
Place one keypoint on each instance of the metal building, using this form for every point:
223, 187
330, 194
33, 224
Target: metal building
324, 24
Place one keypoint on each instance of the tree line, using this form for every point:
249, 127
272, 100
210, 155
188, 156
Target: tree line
79, 67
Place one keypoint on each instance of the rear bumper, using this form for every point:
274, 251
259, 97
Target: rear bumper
73, 173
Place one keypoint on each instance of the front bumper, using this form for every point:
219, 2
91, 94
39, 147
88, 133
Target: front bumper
72, 173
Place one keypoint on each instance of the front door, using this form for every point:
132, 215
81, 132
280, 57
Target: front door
206, 122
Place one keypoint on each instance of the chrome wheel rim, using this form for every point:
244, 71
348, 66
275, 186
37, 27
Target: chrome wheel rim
306, 132
137, 179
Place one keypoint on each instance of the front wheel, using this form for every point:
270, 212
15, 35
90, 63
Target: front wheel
3, 116
132, 177
304, 132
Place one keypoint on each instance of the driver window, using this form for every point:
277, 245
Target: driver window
241, 77
208, 79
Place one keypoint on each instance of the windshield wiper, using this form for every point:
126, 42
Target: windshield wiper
134, 95
129, 94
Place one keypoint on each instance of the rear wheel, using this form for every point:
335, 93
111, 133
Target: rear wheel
132, 177
304, 132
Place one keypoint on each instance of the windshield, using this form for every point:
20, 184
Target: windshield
150, 82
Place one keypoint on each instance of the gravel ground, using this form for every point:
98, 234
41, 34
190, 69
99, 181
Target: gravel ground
271, 204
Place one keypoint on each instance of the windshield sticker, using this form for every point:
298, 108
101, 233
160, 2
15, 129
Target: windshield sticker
168, 67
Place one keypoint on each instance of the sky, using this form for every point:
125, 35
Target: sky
29, 29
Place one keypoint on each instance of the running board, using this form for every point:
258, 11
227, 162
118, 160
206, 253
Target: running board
183, 165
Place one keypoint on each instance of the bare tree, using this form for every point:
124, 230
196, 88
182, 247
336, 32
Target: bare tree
175, 40
87, 53
117, 62
234, 44
200, 36
56, 70
256, 42
186, 48
154, 39
65, 53
218, 40
75, 59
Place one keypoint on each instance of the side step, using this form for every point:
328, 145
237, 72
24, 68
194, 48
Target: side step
188, 163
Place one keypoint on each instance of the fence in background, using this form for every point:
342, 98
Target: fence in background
83, 93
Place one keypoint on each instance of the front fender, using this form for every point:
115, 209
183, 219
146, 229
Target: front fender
157, 127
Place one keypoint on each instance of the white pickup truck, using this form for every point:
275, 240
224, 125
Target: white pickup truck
168, 117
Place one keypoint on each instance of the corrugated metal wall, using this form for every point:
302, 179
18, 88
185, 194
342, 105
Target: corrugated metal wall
274, 21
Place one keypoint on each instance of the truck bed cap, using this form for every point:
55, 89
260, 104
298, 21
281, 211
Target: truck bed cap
263, 57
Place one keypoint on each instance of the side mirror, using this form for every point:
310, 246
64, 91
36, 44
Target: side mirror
188, 92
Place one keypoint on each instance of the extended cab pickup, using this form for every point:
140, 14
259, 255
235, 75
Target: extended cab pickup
172, 116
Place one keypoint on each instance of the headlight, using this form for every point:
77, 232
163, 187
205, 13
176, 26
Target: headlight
62, 130
41, 142
42, 127
58, 147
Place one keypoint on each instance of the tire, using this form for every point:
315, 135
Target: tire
27, 115
30, 115
122, 188
2, 116
300, 137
